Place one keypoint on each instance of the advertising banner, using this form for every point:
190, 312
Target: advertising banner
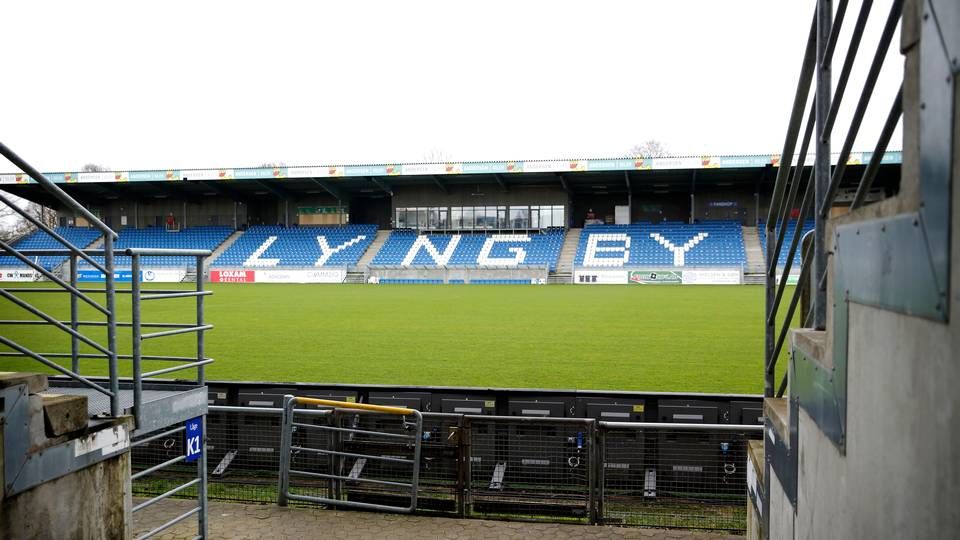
711, 277
656, 277
331, 275
232, 276
159, 275
18, 274
600, 277
275, 275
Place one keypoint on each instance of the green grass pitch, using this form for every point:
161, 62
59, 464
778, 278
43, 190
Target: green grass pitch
630, 337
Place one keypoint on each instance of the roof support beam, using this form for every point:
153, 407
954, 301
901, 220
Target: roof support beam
382, 185
503, 184
331, 189
626, 178
221, 189
440, 184
281, 193
566, 186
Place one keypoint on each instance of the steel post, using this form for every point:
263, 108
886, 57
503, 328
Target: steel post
202, 473
74, 318
110, 292
821, 164
200, 339
137, 338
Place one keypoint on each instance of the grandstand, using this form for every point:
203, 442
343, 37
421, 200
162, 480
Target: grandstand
80, 236
305, 246
406, 248
208, 237
709, 243
791, 227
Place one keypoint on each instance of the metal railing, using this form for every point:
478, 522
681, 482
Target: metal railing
478, 466
345, 441
199, 484
107, 309
821, 184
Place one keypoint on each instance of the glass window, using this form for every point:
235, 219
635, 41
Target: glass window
519, 217
502, 218
423, 221
412, 218
559, 219
443, 222
401, 218
534, 217
468, 218
433, 218
456, 216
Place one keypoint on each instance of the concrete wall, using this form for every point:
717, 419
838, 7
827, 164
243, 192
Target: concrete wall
92, 503
900, 477
459, 273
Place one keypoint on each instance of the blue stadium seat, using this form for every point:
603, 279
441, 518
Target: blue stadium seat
206, 237
709, 243
78, 236
304, 246
787, 239
407, 248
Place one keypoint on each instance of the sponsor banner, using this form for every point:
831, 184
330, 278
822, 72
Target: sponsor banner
423, 168
554, 166
160, 275
260, 173
163, 275
416, 169
315, 172
657, 277
610, 164
325, 275
207, 174
154, 176
711, 277
232, 276
792, 279
600, 277
18, 274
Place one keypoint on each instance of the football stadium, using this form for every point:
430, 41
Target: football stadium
754, 345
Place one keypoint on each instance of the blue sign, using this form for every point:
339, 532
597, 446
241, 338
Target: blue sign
194, 438
124, 276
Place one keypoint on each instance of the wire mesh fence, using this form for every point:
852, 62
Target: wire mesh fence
530, 468
674, 478
550, 469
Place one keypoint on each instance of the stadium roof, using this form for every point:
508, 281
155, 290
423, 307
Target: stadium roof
595, 176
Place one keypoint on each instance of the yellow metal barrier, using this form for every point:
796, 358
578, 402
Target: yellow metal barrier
347, 405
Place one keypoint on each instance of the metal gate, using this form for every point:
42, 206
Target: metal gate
351, 429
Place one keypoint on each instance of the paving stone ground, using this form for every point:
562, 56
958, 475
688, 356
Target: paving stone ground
235, 521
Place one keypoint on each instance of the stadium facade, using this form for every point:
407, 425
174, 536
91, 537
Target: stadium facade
595, 221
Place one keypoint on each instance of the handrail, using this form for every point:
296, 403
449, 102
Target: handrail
823, 183
403, 411
55, 190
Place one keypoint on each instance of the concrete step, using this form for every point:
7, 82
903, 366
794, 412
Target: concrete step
813, 344
372, 251
63, 414
355, 278
754, 278
568, 252
221, 248
777, 410
560, 278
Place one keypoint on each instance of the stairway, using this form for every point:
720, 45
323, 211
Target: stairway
221, 248
371, 252
355, 277
63, 269
753, 273
564, 271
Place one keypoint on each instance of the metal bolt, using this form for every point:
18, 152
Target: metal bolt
923, 106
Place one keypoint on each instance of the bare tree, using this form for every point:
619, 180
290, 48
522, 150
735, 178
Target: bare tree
271, 165
436, 155
93, 167
13, 225
650, 149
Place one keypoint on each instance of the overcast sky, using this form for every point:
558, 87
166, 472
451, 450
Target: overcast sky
137, 85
